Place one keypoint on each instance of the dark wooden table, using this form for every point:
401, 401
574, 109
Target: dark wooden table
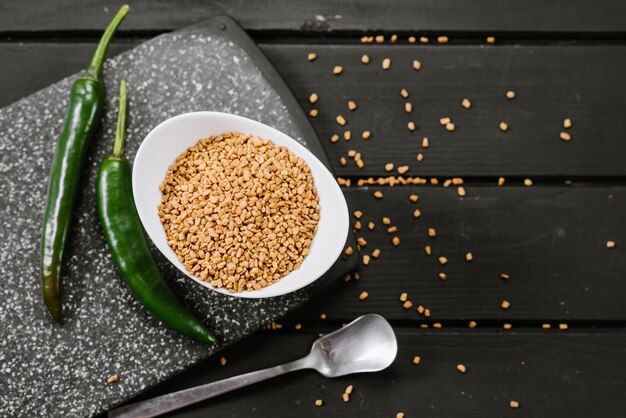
563, 59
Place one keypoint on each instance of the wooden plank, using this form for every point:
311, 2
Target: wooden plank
574, 374
568, 16
581, 82
550, 240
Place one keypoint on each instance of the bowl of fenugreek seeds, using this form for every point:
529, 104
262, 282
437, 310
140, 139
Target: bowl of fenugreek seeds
236, 205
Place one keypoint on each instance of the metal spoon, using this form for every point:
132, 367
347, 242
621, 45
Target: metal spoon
366, 344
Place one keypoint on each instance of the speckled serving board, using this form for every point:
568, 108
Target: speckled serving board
46, 370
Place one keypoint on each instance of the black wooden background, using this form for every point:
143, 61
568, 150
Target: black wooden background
563, 59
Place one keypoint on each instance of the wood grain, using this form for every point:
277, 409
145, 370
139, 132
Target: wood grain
550, 374
485, 16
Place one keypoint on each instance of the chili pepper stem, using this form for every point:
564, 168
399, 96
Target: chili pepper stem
118, 144
95, 67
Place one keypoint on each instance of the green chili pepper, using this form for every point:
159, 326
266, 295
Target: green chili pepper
128, 245
85, 107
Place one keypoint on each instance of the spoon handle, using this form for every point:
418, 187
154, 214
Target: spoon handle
165, 403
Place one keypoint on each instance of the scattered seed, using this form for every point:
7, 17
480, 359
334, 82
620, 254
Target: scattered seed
380, 39
432, 232
334, 138
319, 402
491, 40
348, 251
466, 103
348, 390
407, 305
442, 276
392, 229
461, 368
313, 113
442, 39
510, 95
565, 136
404, 93
501, 181
223, 361
514, 404
427, 313
504, 126
376, 253
567, 123
112, 379
311, 56
393, 38
563, 327
507, 326
505, 304
408, 107
389, 167
298, 327
371, 226
337, 70
323, 316
420, 309
414, 198
427, 250
411, 126
366, 135
610, 244
378, 194
343, 161
504, 276
417, 360
545, 326
469, 257
400, 415
357, 214
386, 64
443, 260
450, 127
437, 325
461, 191
444, 121
363, 296
417, 213
386, 221
395, 241
340, 120
361, 241
417, 65
352, 105
403, 169
411, 39
472, 324
347, 135
419, 157
345, 397
528, 182
403, 297
351, 153
423, 39
357, 225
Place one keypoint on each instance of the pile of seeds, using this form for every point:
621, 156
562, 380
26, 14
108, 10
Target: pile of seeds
239, 211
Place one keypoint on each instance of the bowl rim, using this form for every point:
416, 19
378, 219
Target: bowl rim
318, 171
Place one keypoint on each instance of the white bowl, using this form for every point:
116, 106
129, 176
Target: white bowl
171, 138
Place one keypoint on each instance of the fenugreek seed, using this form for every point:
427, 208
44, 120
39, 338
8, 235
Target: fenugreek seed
392, 229
567, 123
378, 194
351, 153
417, 360
340, 120
563, 327
507, 326
450, 127
444, 121
357, 225
343, 161
223, 361
510, 95
412, 39
347, 135
323, 316
319, 402
443, 260
298, 327
408, 107
425, 142
419, 157
414, 198
466, 103
610, 244
357, 214
432, 232
461, 191
442, 276
334, 138
442, 39
365, 59
423, 39
447, 183
311, 56
501, 181
428, 250
505, 304
380, 39
361, 241
345, 397
337, 70
528, 182
348, 251
363, 295
403, 169
376, 253
461, 368
351, 105
514, 404
371, 226
565, 136
313, 113
313, 98
546, 326
437, 325
504, 276
403, 297
112, 379
407, 305
472, 324
420, 309
417, 213
389, 167
411, 126
364, 39
400, 415
395, 241
386, 64
417, 65
386, 220
404, 93
393, 38
491, 40
504, 126
469, 257
349, 390
360, 163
